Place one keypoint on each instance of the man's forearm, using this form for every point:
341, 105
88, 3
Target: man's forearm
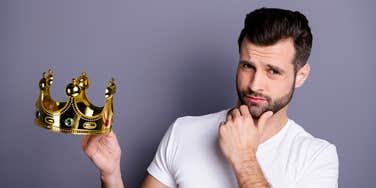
249, 174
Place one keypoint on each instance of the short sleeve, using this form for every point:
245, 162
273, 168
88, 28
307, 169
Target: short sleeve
160, 167
323, 171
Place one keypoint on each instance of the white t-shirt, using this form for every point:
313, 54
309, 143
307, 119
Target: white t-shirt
189, 157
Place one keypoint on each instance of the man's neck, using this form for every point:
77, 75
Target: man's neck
274, 124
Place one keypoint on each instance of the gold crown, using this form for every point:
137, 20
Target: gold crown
77, 115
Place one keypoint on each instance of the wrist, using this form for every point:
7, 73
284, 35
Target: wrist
111, 180
243, 159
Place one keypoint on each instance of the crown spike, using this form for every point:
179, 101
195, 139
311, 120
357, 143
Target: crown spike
111, 88
83, 81
46, 80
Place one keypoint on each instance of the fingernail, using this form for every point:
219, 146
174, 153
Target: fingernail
270, 113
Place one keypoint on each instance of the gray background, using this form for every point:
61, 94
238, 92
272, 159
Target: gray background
171, 58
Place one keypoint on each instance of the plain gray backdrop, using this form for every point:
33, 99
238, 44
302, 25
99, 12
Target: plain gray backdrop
172, 58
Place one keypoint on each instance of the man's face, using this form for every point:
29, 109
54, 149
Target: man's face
265, 76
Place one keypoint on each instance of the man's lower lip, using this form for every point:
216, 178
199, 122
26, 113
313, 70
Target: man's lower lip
255, 100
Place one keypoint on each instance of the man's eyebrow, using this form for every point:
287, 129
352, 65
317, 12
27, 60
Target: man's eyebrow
246, 62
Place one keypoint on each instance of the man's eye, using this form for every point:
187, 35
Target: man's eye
273, 72
246, 65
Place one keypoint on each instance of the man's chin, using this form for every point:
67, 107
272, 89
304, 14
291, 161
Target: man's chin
256, 112
256, 116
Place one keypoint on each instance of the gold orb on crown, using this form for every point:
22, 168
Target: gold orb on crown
77, 115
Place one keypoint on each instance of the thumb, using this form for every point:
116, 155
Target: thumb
262, 121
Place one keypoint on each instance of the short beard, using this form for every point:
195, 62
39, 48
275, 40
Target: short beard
275, 105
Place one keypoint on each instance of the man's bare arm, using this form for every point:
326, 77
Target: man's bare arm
104, 151
151, 182
238, 140
115, 181
249, 174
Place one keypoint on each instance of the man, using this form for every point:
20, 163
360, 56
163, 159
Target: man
252, 145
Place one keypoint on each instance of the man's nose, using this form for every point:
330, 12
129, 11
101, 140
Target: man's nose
258, 82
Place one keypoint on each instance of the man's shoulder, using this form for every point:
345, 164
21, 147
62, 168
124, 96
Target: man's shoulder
198, 120
310, 155
301, 138
201, 118
310, 150
196, 123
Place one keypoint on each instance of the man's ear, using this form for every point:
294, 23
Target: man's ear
302, 75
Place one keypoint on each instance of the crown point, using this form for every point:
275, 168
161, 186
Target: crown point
42, 84
72, 90
83, 81
50, 71
111, 83
107, 93
50, 80
111, 88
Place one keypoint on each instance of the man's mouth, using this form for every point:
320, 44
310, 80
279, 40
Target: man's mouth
255, 99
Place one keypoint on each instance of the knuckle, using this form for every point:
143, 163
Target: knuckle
221, 132
86, 151
238, 119
235, 111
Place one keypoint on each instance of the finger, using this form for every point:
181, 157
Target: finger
221, 129
244, 110
229, 117
262, 121
107, 146
110, 142
89, 140
221, 124
235, 113
112, 137
86, 139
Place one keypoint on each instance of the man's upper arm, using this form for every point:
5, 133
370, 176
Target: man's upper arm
151, 182
160, 169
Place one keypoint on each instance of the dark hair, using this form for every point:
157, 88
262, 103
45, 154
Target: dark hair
266, 26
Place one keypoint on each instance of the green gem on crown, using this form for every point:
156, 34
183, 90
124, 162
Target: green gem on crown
68, 122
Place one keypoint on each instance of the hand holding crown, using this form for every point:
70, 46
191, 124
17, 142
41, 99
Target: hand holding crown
104, 151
